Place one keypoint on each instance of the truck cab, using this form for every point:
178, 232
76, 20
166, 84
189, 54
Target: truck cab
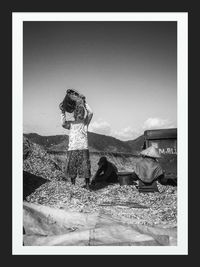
165, 140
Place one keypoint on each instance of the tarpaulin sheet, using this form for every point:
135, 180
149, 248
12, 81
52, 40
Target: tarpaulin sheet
46, 226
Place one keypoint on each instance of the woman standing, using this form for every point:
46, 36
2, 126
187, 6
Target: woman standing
78, 160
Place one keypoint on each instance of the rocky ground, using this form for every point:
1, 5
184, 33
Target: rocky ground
121, 202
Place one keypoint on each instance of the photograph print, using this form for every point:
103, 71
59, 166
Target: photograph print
100, 136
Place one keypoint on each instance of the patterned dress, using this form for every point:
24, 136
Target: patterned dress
78, 161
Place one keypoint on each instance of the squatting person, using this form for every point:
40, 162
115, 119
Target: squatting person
148, 170
107, 172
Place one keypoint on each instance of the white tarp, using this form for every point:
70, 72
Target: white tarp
46, 226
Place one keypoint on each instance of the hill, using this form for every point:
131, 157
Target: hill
46, 141
97, 143
136, 145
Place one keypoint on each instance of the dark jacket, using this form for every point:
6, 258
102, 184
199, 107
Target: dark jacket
107, 172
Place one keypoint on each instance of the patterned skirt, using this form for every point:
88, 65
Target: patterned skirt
78, 163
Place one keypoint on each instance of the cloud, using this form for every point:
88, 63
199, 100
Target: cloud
100, 127
103, 127
125, 134
156, 123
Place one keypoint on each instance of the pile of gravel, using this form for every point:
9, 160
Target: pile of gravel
38, 162
160, 207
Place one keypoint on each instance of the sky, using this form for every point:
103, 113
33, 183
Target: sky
126, 70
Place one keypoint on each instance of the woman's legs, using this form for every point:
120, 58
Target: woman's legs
87, 183
71, 166
73, 181
84, 168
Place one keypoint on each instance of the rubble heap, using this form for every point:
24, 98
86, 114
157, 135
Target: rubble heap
38, 162
160, 208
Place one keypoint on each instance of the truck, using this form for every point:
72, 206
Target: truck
165, 140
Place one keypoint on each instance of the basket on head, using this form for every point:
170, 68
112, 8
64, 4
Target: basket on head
71, 100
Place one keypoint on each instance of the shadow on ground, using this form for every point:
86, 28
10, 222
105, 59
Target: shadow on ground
30, 183
98, 186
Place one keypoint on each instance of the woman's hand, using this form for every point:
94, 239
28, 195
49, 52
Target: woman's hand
89, 114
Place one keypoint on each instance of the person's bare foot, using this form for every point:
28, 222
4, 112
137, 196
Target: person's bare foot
87, 186
73, 181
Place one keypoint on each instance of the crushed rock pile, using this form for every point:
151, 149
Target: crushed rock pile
37, 161
160, 207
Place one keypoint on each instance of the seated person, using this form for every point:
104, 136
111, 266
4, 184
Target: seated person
148, 170
107, 172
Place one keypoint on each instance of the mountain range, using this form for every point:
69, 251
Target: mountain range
97, 143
